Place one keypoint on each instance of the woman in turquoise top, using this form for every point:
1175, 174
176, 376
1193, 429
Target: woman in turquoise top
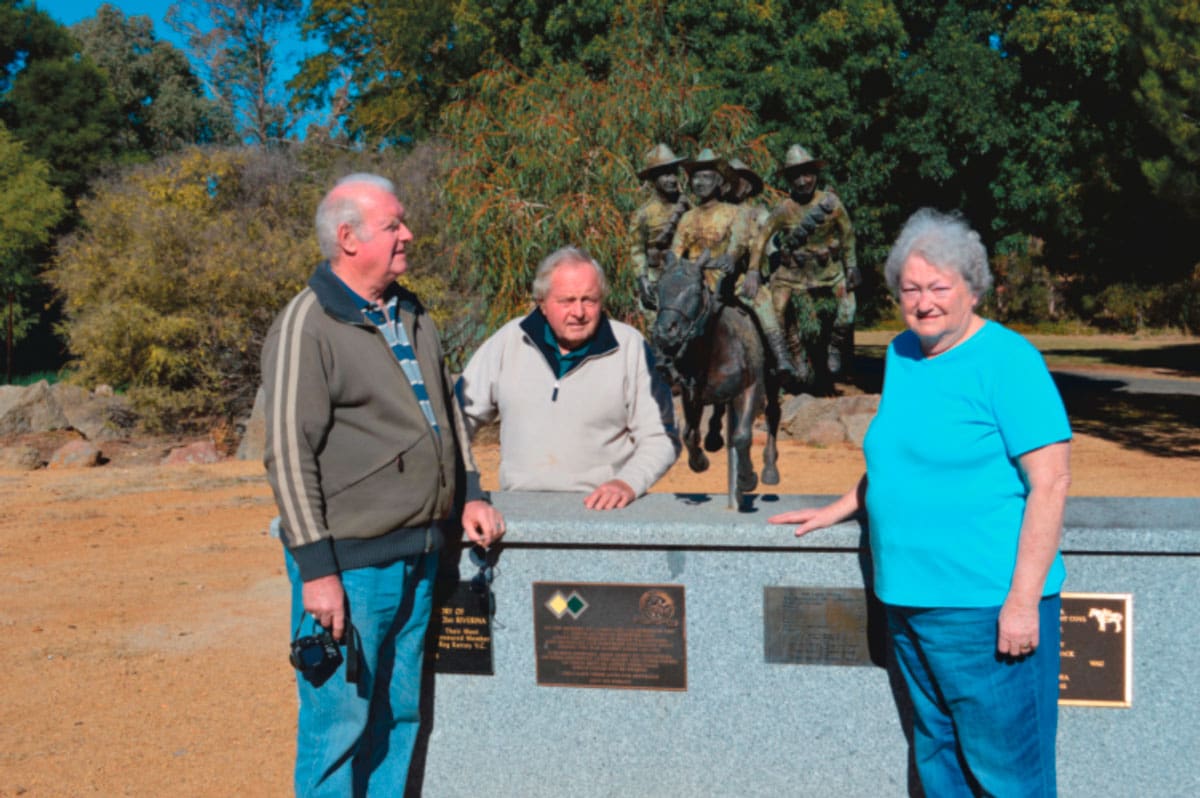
967, 477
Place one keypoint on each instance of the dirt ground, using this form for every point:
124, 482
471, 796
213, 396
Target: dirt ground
143, 614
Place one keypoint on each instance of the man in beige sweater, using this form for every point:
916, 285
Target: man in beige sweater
580, 406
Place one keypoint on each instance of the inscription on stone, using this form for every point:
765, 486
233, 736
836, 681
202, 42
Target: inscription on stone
463, 632
815, 626
1096, 651
610, 635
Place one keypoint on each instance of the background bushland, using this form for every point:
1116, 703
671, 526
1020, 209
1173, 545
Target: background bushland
1065, 131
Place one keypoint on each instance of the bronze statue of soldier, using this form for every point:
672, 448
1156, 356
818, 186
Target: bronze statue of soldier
726, 232
807, 243
652, 227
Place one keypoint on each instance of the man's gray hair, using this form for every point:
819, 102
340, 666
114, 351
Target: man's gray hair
945, 241
541, 278
340, 207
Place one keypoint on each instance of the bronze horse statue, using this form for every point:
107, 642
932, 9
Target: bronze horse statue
714, 352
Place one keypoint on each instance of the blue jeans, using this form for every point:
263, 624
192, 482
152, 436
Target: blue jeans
984, 724
357, 739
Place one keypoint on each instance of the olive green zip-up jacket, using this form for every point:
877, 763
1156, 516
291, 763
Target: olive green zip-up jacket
359, 475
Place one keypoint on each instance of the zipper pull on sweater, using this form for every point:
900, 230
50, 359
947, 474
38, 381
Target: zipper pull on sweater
554, 393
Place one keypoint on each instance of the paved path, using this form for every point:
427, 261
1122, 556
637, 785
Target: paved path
1130, 381
1124, 382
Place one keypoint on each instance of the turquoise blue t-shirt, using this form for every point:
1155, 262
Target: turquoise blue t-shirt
945, 496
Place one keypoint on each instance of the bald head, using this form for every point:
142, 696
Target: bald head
343, 205
360, 225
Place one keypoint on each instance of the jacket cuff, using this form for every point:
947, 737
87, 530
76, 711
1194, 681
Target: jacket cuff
315, 559
473, 490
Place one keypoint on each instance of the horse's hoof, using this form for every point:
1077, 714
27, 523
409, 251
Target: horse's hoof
698, 462
770, 475
713, 442
747, 483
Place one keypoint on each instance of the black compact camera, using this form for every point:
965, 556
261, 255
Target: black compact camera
316, 656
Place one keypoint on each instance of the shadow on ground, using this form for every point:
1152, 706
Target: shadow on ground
1162, 423
1180, 360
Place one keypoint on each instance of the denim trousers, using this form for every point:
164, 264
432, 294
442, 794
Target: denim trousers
983, 724
357, 739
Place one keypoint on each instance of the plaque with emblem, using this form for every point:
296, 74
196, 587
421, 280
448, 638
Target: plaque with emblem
619, 636
1096, 650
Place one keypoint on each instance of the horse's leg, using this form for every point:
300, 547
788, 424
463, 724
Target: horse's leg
733, 465
770, 473
741, 434
713, 442
692, 408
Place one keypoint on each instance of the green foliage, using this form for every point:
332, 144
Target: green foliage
1168, 93
1130, 307
30, 207
1024, 290
27, 35
60, 106
385, 67
550, 159
181, 266
1022, 115
1126, 307
159, 95
388, 68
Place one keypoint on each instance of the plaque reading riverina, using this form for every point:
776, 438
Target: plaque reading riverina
610, 635
462, 629
1096, 652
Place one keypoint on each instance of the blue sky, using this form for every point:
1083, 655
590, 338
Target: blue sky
69, 12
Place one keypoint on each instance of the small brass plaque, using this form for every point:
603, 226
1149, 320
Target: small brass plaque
619, 636
1096, 651
815, 626
462, 630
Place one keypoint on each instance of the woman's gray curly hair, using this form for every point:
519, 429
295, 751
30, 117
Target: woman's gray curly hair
947, 242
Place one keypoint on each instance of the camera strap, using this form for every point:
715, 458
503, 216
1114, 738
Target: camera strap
353, 646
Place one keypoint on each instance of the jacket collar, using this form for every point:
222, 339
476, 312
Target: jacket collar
341, 306
534, 326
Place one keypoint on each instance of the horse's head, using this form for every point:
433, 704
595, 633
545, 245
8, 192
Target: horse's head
684, 305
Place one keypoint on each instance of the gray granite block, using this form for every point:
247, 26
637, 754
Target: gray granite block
748, 728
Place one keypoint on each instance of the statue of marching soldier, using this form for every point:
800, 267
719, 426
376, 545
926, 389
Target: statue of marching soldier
652, 227
806, 246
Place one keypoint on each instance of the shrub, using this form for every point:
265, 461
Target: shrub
182, 265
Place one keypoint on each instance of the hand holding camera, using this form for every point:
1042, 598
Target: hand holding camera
317, 656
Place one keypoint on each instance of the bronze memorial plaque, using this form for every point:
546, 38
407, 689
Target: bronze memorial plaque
815, 626
1096, 652
463, 631
610, 635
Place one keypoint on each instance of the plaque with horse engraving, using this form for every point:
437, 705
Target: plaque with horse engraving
1096, 650
631, 637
